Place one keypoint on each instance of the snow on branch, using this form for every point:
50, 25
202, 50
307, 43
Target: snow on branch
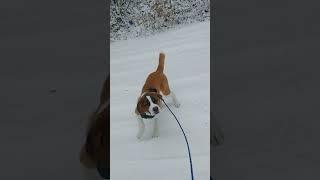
134, 18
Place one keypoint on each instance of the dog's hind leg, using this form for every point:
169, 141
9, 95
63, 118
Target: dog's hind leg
168, 93
141, 127
174, 99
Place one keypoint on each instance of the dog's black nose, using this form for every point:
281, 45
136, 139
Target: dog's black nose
155, 109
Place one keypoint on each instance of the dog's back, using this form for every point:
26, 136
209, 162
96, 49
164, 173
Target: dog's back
154, 79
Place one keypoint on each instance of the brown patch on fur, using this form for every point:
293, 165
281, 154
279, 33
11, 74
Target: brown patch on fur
158, 79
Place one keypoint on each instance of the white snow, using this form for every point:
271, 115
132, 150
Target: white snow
145, 17
187, 67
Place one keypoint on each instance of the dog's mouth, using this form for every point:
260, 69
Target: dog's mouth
151, 113
147, 115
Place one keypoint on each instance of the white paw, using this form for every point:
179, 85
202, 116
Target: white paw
155, 135
139, 135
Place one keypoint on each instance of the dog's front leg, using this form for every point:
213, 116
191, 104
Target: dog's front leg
155, 128
141, 127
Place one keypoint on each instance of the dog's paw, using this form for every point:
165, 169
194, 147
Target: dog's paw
139, 135
139, 139
155, 135
177, 105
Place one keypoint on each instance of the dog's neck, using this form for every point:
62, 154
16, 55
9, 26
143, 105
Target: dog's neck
146, 116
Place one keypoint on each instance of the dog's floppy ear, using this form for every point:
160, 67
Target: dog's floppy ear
96, 141
137, 110
105, 92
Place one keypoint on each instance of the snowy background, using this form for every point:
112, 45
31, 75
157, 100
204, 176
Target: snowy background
145, 17
139, 31
187, 67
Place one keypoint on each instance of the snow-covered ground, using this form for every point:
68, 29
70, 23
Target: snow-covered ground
187, 68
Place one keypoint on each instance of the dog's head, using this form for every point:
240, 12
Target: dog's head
149, 104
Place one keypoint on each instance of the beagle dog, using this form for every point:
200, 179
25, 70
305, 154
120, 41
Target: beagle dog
94, 153
149, 102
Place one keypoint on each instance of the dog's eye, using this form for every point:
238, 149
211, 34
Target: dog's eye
153, 99
146, 103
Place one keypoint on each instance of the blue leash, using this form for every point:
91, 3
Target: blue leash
185, 137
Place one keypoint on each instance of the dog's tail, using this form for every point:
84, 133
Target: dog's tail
161, 63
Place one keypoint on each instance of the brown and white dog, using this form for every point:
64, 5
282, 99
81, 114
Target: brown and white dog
149, 102
95, 148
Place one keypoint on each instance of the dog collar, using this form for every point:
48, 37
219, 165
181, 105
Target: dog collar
145, 116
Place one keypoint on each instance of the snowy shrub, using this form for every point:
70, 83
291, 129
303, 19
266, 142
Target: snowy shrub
144, 17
